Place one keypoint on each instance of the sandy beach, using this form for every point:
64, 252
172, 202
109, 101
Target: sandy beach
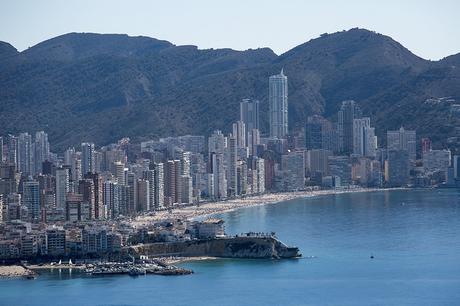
212, 208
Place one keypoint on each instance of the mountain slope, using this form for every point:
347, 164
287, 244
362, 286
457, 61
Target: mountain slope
95, 87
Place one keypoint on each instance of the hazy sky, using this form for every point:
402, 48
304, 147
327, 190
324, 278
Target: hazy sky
430, 29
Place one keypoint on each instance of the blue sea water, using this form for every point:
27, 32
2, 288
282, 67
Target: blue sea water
413, 235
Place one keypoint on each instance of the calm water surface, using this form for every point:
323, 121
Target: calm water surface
414, 237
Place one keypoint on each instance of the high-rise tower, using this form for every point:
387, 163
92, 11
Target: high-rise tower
278, 105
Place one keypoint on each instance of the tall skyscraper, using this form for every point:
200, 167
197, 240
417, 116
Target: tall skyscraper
232, 158
239, 132
13, 151
131, 182
249, 114
314, 132
111, 199
31, 199
25, 153
403, 140
293, 166
143, 195
62, 186
87, 190
88, 158
1, 150
364, 142
348, 112
158, 181
253, 141
218, 178
216, 143
42, 150
278, 105
172, 182
99, 212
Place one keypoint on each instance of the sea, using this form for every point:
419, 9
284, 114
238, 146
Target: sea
398, 247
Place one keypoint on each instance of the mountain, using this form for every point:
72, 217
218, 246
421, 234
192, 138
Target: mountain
101, 87
7, 50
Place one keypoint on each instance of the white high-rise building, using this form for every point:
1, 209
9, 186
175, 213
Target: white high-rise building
260, 172
159, 185
278, 105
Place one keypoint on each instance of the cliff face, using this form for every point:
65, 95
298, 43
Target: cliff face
237, 247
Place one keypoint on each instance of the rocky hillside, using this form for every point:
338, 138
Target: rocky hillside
94, 87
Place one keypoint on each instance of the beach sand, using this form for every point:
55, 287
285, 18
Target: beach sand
211, 208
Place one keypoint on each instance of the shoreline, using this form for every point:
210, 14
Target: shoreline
15, 271
195, 212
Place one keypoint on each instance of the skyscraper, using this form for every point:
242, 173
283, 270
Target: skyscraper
99, 212
239, 132
347, 113
278, 105
364, 143
218, 179
62, 186
314, 132
13, 150
403, 140
25, 153
232, 158
249, 114
31, 199
111, 199
143, 195
1, 150
397, 168
172, 182
158, 181
86, 189
42, 150
293, 166
216, 143
87, 158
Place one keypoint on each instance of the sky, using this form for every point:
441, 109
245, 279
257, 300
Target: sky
430, 29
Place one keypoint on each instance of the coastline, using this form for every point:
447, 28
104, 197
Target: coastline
15, 271
192, 213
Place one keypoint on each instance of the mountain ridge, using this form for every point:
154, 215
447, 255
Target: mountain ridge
101, 87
